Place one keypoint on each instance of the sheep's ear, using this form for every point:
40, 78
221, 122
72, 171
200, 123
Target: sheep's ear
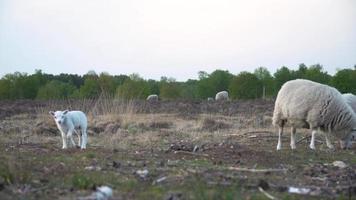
51, 112
65, 112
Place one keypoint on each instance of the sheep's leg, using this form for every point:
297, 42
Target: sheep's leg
292, 138
70, 137
312, 141
328, 142
280, 132
64, 140
84, 139
78, 134
79, 138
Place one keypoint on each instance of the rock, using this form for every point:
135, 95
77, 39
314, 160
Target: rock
103, 193
93, 168
339, 164
142, 173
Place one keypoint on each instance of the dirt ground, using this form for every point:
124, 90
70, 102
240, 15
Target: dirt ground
166, 150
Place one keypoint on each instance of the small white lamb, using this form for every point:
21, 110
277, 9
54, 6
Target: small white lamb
67, 122
307, 104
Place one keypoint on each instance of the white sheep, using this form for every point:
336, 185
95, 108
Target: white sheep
210, 99
307, 104
67, 122
223, 95
152, 98
351, 100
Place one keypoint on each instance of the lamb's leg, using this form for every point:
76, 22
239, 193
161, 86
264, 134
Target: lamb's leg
70, 137
79, 138
280, 132
312, 141
78, 134
64, 140
292, 138
84, 139
328, 142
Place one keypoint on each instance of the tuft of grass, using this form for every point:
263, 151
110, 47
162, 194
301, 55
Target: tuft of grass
81, 181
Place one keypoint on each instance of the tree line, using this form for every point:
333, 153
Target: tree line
245, 85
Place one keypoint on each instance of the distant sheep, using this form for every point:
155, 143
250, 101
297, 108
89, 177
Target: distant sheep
210, 99
307, 104
67, 122
351, 100
152, 98
223, 95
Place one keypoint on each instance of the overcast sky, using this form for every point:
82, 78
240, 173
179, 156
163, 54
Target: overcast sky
174, 38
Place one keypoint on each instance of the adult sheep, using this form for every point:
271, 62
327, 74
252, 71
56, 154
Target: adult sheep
307, 104
223, 95
152, 98
351, 100
67, 122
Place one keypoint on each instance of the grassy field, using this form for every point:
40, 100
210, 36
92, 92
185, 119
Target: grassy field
191, 150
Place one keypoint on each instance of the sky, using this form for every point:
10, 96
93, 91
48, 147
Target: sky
175, 38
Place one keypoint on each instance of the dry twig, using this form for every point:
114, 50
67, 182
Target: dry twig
266, 194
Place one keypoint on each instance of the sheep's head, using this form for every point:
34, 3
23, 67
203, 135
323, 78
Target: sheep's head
59, 116
346, 142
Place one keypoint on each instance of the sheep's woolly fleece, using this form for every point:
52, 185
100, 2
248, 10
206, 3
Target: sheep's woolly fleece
312, 105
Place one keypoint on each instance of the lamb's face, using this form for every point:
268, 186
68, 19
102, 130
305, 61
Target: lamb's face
59, 116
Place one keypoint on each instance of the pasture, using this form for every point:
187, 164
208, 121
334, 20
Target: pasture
190, 149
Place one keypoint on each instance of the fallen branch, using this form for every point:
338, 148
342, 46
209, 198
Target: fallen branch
257, 170
191, 153
266, 194
250, 132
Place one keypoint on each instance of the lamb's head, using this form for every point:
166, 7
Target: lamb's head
59, 116
346, 140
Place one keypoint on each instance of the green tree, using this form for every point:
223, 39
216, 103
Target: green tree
170, 90
267, 81
217, 81
107, 84
281, 76
133, 88
317, 74
91, 87
56, 90
245, 86
345, 80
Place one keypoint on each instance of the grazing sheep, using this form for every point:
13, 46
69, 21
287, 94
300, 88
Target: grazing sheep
306, 104
351, 100
223, 95
152, 98
67, 122
210, 99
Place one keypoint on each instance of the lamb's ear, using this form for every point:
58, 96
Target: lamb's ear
65, 112
51, 112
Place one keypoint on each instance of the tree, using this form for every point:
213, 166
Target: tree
217, 81
170, 90
345, 80
133, 88
281, 76
56, 90
317, 74
245, 86
267, 81
107, 84
90, 88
